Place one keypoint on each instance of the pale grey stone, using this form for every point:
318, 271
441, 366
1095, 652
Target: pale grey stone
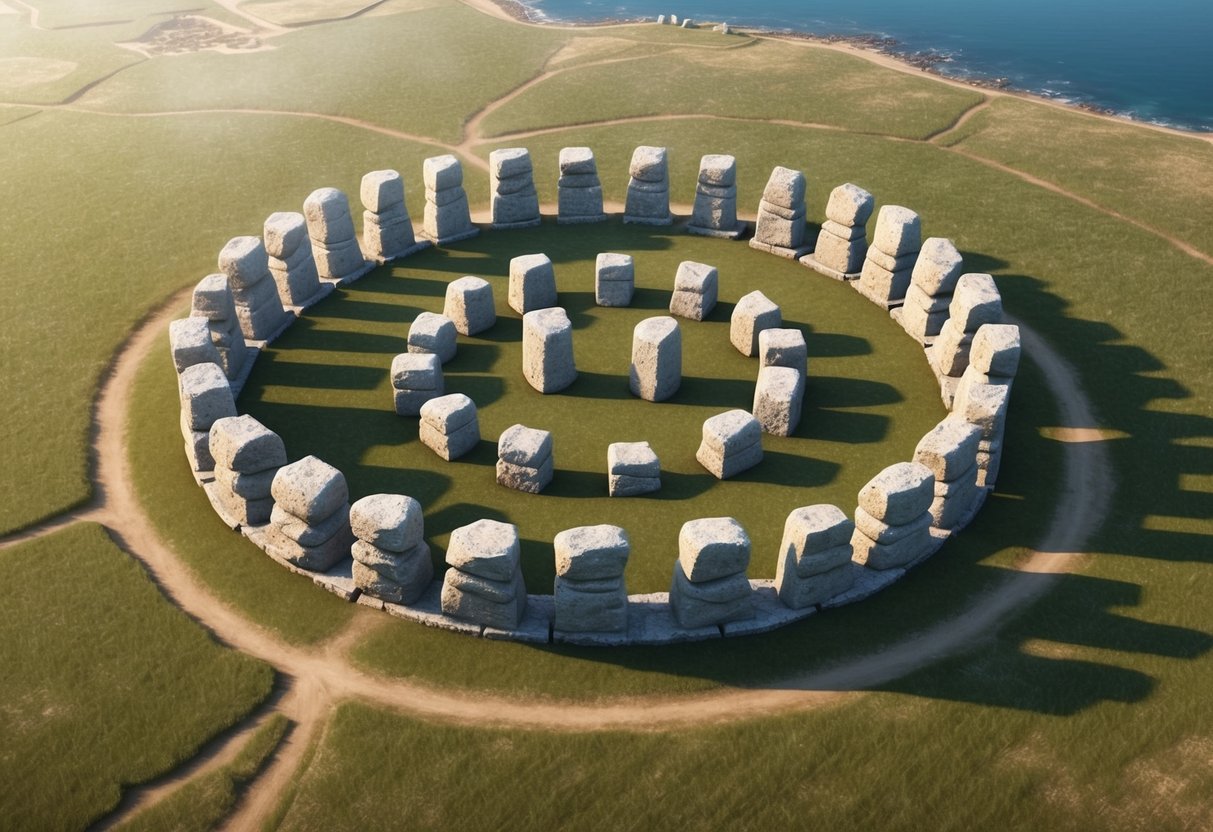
440, 173
410, 587
255, 486
580, 204
626, 485
975, 302
713, 547
486, 548
381, 190
434, 334
948, 449
649, 164
260, 311
774, 231
417, 371
509, 162
983, 405
476, 600
577, 160
530, 479
752, 314
938, 267
410, 402
783, 348
284, 233
601, 609
245, 263
840, 256
391, 564
238, 511
785, 188
647, 205
995, 350
190, 342
845, 232
880, 556
450, 444
388, 235
633, 459
450, 221
205, 396
695, 290
243, 444
949, 355
849, 205
591, 553
212, 299
711, 602
307, 533
532, 283
799, 593
778, 399
547, 350
327, 211
731, 431
312, 558
719, 170
899, 493
817, 538
614, 279
521, 445
449, 413
921, 321
515, 210
291, 262
898, 231
656, 369
310, 489
469, 305
723, 466
393, 522
904, 263
880, 285
886, 534
337, 260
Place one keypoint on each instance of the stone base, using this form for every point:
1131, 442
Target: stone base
780, 251
628, 218
322, 292
651, 621
591, 639
427, 610
535, 626
720, 233
420, 245
834, 274
246, 369
879, 299
866, 584
287, 320
582, 220
769, 612
452, 238
213, 489
367, 267
926, 342
337, 579
509, 226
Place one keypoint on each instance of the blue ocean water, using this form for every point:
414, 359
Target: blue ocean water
1150, 61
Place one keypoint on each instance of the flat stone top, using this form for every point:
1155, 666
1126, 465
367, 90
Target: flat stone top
244, 260
547, 321
817, 528
525, 264
948, 449
632, 458
983, 405
938, 267
995, 350
381, 189
718, 169
610, 261
849, 205
695, 277
785, 188
591, 553
442, 172
212, 296
575, 160
487, 549
732, 428
284, 231
510, 161
467, 285
184, 333
899, 493
241, 443
976, 301
898, 231
655, 330
753, 304
310, 489
649, 164
781, 382
326, 204
783, 347
201, 378
416, 371
448, 412
521, 445
390, 521
430, 323
713, 547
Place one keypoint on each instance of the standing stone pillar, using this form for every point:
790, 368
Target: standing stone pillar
696, 287
484, 584
532, 283
590, 595
893, 520
416, 378
524, 459
648, 201
387, 230
895, 244
949, 450
310, 523
778, 399
447, 216
710, 585
614, 279
578, 191
814, 556
842, 244
656, 371
781, 228
993, 356
975, 302
212, 301
469, 304
391, 558
514, 202
334, 242
258, 308
984, 406
290, 259
190, 343
932, 282
247, 456
754, 313
547, 350
732, 443
206, 397
715, 210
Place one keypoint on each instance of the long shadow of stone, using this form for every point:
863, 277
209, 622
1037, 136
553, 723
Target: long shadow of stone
473, 358
837, 391
309, 374
598, 386
482, 389
724, 393
850, 427
791, 469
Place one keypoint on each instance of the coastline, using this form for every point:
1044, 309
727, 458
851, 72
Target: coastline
869, 47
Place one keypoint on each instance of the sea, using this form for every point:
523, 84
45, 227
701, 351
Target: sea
1150, 61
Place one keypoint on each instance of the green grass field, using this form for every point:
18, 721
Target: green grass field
1086, 711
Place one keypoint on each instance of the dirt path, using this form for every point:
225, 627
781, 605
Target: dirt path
960, 121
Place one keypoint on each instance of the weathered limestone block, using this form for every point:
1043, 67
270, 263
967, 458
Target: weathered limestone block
783, 348
752, 314
291, 262
435, 334
932, 282
732, 443
310, 489
994, 354
524, 459
779, 399
974, 303
447, 216
590, 596
710, 585
579, 191
416, 378
469, 305
614, 279
890, 259
814, 556
632, 469
714, 213
513, 203
985, 406
547, 350
190, 342
532, 283
780, 228
710, 602
334, 241
391, 558
648, 198
449, 426
893, 521
255, 295
212, 301
387, 230
949, 450
242, 445
391, 522
842, 244
249, 486
484, 584
205, 396
695, 290
656, 370
899, 493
